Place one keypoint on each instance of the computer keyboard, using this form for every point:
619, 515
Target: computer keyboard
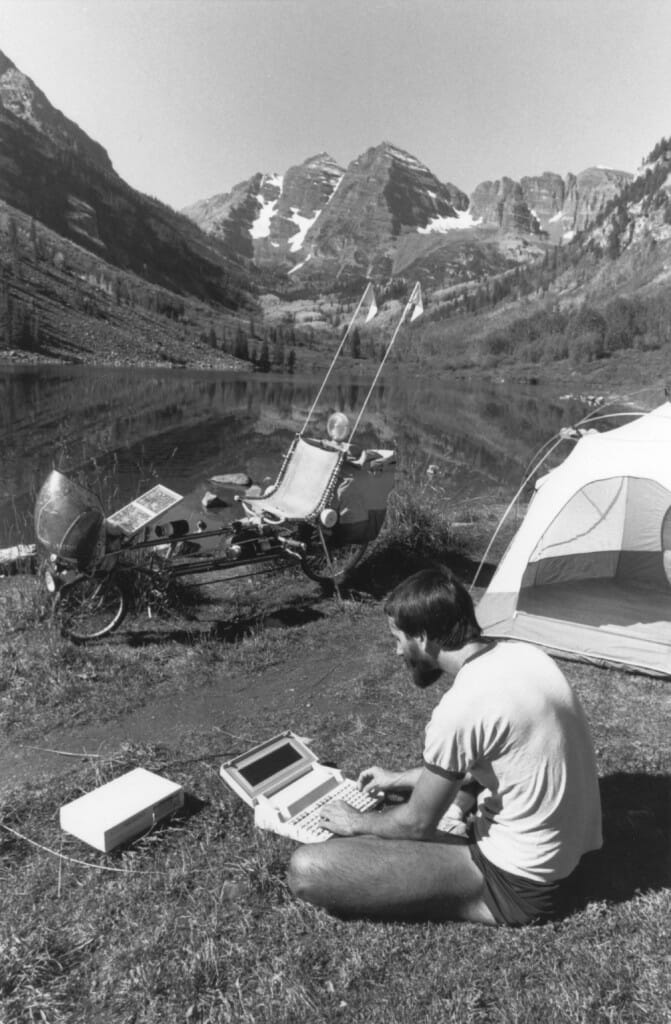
306, 828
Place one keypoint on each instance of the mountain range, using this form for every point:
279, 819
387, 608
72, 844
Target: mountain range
316, 229
388, 214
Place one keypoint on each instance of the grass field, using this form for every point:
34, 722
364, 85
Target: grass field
194, 922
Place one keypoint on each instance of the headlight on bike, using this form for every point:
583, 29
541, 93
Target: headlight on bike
328, 517
49, 582
337, 426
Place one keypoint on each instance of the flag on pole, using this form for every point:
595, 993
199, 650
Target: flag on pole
369, 297
415, 301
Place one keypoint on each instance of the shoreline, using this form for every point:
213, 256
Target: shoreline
612, 380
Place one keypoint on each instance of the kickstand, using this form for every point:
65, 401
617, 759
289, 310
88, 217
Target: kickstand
330, 565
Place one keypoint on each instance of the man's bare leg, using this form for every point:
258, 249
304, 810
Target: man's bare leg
391, 879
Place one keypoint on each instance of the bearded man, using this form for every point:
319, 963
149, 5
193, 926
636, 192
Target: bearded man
508, 742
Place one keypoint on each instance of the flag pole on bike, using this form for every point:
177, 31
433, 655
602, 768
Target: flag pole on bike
414, 308
368, 298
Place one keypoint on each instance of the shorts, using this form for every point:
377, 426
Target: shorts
515, 901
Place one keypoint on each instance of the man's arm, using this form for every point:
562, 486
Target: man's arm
374, 780
416, 819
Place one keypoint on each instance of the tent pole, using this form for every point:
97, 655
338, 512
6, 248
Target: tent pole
509, 509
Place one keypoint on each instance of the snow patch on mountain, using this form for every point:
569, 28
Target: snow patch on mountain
303, 224
441, 225
335, 189
261, 226
268, 207
299, 265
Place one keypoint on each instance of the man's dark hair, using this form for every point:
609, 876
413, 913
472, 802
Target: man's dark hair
434, 602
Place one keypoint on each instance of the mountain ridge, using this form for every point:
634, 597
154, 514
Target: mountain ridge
51, 170
360, 224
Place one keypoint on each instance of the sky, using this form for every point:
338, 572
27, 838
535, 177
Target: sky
189, 97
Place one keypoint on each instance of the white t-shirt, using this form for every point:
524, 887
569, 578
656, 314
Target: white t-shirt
512, 721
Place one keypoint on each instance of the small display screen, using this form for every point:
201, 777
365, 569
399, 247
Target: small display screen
265, 767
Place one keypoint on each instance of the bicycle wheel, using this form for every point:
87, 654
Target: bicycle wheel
90, 607
342, 559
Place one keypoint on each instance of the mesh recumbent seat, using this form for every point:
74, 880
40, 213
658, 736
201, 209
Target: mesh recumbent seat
304, 486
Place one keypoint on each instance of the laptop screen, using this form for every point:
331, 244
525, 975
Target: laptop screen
268, 767
270, 764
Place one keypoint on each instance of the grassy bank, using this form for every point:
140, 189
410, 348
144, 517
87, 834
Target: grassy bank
193, 922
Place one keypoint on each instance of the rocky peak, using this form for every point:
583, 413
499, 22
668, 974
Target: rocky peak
229, 215
21, 97
502, 204
305, 191
308, 187
267, 216
414, 194
384, 193
588, 193
547, 203
544, 195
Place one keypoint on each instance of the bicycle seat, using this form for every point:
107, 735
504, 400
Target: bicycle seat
304, 486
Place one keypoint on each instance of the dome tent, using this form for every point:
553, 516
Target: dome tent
588, 573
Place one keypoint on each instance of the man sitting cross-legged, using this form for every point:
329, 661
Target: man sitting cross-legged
509, 728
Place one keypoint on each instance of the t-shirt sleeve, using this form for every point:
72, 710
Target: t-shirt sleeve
450, 741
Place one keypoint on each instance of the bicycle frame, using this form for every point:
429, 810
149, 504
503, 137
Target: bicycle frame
100, 582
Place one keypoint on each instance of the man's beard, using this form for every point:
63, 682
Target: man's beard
423, 671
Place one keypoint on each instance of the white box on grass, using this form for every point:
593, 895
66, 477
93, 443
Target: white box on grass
122, 809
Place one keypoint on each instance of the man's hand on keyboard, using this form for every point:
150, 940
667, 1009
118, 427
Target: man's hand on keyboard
341, 818
377, 781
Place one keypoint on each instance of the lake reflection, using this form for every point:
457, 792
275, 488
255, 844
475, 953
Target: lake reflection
129, 428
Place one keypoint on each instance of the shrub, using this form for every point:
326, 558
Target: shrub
556, 347
624, 321
499, 344
585, 348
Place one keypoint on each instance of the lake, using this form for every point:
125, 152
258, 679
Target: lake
128, 428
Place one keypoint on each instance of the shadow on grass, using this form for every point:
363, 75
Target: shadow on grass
379, 572
226, 631
162, 829
636, 853
384, 567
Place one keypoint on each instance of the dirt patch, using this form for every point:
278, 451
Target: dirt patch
330, 662
228, 712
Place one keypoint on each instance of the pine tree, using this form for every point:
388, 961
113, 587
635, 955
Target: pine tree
278, 352
33, 239
264, 358
241, 350
5, 314
14, 247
